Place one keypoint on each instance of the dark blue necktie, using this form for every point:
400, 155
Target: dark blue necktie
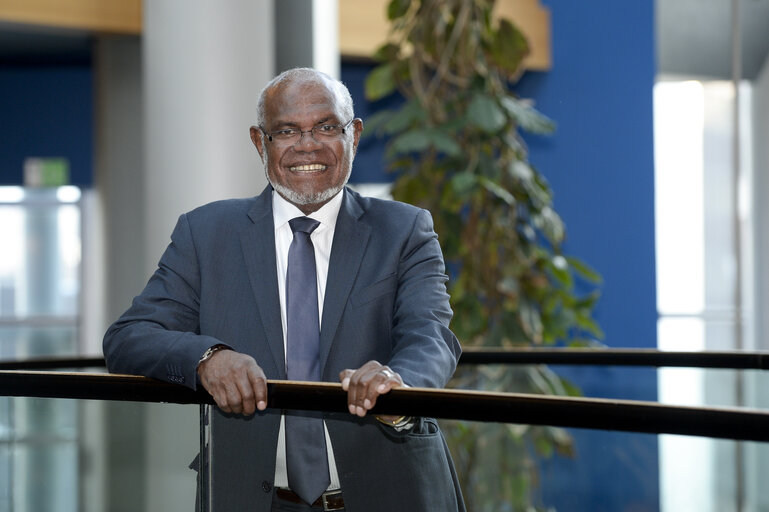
306, 457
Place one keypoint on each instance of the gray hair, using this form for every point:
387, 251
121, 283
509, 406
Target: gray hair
306, 75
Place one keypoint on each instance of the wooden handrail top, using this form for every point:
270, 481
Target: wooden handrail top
591, 413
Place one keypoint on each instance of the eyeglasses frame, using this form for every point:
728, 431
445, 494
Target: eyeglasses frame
310, 131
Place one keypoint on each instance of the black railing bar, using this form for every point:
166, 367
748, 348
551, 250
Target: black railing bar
53, 363
39, 321
735, 360
590, 413
39, 439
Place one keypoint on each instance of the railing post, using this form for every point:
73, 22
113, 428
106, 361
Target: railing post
204, 471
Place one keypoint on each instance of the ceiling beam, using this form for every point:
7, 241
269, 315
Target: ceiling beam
105, 16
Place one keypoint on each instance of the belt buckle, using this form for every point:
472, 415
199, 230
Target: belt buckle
324, 497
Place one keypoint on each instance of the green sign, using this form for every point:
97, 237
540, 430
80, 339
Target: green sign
46, 172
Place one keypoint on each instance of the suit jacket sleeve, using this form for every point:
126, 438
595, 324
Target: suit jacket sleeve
159, 336
425, 351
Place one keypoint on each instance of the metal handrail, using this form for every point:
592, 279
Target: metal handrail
591, 413
52, 363
736, 360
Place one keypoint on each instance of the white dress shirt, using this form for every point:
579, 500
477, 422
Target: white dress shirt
322, 238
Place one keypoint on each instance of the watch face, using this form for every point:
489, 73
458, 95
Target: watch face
208, 353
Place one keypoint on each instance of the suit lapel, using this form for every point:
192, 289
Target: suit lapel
350, 239
258, 244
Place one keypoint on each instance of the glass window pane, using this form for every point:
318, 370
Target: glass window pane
21, 341
39, 290
43, 476
40, 263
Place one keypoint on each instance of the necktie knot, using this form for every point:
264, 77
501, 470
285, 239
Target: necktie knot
303, 224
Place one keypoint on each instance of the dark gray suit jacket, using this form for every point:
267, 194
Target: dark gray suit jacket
385, 300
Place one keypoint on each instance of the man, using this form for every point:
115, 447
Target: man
225, 306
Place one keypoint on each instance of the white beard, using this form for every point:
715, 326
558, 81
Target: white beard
299, 198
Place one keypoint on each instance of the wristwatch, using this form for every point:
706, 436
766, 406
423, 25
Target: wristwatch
211, 351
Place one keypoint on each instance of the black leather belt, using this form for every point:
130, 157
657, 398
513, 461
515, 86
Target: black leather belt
331, 500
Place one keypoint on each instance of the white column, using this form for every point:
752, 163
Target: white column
204, 65
325, 37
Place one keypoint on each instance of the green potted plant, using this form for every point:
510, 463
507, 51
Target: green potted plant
456, 149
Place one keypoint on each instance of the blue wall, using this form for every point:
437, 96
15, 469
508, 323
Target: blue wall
600, 166
46, 112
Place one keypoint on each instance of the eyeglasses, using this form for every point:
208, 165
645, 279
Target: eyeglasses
320, 133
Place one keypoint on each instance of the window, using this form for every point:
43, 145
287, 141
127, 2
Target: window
39, 316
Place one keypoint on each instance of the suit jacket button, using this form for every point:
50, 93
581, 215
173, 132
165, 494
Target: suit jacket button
266, 486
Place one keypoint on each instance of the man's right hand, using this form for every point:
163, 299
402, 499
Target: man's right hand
236, 382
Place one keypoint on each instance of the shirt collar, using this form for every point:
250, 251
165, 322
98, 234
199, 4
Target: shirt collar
283, 211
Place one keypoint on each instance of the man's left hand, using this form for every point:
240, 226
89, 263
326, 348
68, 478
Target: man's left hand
365, 384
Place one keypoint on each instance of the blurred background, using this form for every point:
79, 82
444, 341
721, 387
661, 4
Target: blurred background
117, 116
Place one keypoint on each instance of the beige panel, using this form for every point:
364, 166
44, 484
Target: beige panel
111, 16
363, 27
534, 21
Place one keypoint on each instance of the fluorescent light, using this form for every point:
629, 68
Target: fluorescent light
68, 194
11, 194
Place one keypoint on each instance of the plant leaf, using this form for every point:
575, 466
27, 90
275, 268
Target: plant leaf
590, 325
387, 51
380, 82
509, 47
419, 140
560, 269
410, 141
375, 123
497, 190
408, 114
530, 320
527, 116
584, 270
397, 8
550, 223
484, 113
445, 143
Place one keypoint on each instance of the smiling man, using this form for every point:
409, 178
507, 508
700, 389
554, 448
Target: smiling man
307, 281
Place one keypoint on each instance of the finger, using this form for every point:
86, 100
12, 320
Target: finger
233, 398
363, 379
259, 385
384, 380
344, 378
220, 397
247, 396
352, 391
391, 380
